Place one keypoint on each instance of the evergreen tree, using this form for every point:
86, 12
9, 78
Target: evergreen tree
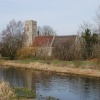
89, 40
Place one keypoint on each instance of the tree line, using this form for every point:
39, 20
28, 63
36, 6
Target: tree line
87, 45
13, 36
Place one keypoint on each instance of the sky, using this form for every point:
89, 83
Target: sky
64, 16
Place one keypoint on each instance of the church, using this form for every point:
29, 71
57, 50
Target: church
45, 43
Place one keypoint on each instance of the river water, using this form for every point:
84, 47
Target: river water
63, 87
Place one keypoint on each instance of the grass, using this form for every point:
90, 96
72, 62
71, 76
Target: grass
6, 92
32, 60
55, 62
15, 93
1, 61
9, 93
27, 61
24, 93
83, 64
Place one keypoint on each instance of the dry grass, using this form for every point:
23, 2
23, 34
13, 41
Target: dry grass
66, 69
6, 92
1, 61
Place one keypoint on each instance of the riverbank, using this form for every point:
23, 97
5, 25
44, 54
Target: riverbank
69, 68
13, 93
7, 92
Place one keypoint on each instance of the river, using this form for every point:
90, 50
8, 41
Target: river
63, 87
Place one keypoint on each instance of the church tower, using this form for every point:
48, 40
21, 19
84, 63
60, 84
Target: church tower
30, 32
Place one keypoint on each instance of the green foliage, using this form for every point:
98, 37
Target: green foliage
24, 93
11, 93
77, 63
89, 41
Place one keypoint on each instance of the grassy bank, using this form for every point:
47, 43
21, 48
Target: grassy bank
75, 64
13, 93
84, 68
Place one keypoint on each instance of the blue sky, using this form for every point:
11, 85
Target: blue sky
63, 15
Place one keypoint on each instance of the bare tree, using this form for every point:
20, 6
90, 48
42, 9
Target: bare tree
46, 30
64, 51
85, 25
97, 20
11, 39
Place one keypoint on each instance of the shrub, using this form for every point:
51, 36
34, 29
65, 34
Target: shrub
27, 52
24, 93
9, 93
67, 51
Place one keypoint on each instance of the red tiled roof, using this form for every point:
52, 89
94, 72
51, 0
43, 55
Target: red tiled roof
42, 41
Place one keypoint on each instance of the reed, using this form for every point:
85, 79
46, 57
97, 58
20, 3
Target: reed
6, 92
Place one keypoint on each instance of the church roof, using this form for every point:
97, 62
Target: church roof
44, 41
59, 40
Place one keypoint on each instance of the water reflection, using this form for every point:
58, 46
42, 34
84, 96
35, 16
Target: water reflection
49, 84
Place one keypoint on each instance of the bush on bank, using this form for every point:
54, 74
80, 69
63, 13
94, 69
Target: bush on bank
9, 93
